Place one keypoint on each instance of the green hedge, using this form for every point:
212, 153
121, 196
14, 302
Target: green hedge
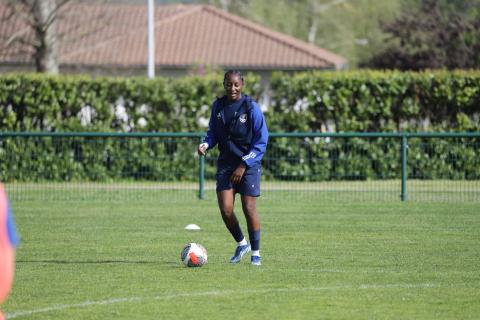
97, 159
372, 101
46, 103
318, 101
70, 103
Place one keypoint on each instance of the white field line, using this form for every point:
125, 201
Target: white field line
86, 304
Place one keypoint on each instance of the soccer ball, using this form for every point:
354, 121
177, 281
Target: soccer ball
193, 255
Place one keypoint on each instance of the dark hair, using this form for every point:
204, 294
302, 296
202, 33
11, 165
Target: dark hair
233, 72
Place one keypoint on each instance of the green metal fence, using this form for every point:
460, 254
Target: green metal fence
164, 166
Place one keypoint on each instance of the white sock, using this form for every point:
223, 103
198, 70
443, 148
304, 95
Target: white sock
256, 253
243, 242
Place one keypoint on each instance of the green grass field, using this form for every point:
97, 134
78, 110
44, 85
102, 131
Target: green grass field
321, 260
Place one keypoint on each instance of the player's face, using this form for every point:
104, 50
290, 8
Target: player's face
233, 87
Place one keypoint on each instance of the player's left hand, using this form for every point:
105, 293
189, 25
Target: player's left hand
238, 174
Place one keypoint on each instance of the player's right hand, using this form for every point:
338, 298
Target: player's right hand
202, 149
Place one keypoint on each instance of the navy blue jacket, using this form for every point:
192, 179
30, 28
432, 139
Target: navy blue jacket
244, 138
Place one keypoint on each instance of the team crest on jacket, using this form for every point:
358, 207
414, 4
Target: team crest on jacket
243, 118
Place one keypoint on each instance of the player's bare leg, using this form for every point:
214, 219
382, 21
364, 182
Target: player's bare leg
249, 206
226, 201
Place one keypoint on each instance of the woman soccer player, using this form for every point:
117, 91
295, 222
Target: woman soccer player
8, 240
238, 126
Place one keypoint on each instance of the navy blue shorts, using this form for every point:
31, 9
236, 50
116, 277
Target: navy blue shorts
249, 186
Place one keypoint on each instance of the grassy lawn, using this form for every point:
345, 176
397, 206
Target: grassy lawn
120, 259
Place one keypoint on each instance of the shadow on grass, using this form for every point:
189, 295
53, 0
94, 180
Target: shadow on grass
95, 262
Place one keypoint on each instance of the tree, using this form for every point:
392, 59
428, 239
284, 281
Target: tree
437, 34
40, 18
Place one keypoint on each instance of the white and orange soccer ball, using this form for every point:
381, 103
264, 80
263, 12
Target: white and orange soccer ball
194, 255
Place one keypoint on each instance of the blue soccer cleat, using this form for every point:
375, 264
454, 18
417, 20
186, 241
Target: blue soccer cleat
239, 253
256, 260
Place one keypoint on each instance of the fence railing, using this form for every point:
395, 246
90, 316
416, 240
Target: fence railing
340, 166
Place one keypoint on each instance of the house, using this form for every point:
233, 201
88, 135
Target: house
111, 39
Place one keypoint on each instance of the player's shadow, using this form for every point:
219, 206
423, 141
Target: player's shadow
168, 264
54, 261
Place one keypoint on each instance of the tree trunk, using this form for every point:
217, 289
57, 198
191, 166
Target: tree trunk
313, 10
46, 53
225, 4
312, 32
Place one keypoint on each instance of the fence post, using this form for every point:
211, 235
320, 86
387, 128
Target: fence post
201, 175
403, 195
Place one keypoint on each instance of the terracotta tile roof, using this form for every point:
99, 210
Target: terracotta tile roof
185, 35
